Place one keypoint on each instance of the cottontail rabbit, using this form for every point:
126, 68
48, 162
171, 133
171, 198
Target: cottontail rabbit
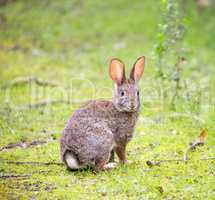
99, 128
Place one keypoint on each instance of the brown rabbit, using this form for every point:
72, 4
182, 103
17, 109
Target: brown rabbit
99, 128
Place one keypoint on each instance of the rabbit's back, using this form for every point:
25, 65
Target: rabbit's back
87, 134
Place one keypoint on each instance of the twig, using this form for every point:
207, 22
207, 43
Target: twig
199, 142
32, 163
179, 160
15, 176
158, 162
192, 147
28, 80
23, 144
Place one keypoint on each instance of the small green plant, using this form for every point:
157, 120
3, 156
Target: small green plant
169, 48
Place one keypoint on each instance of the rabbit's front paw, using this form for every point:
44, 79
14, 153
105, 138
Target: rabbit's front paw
110, 165
124, 162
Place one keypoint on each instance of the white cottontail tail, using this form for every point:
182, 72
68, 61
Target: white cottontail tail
99, 128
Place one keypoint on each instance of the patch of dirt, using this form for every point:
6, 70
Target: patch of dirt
23, 145
27, 185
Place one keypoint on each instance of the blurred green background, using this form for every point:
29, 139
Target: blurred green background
69, 43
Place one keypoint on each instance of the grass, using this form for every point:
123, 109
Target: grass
70, 43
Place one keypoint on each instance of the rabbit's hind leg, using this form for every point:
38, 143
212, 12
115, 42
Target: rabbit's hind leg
102, 163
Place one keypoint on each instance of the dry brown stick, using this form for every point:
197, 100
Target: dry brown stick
46, 83
14, 176
27, 80
23, 144
176, 160
31, 163
158, 162
199, 142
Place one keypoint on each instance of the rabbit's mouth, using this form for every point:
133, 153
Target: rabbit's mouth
127, 109
121, 107
132, 109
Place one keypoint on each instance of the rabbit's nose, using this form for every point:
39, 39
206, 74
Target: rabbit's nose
132, 105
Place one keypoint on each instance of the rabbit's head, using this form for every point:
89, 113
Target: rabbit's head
126, 97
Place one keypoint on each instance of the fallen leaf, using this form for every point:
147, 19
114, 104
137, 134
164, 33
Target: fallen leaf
203, 135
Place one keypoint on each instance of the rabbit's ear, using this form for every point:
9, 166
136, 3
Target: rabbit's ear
138, 68
117, 71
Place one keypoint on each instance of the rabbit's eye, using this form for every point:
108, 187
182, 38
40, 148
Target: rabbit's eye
122, 93
138, 93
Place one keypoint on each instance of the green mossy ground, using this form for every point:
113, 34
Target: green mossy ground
70, 43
